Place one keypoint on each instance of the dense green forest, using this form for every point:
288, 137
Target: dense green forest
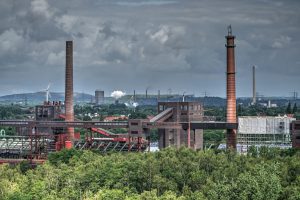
169, 174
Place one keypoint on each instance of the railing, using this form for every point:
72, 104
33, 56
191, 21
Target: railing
63, 124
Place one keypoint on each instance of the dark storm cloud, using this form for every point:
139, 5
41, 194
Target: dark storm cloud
107, 31
133, 44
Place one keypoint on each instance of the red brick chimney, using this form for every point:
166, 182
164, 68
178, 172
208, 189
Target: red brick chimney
69, 91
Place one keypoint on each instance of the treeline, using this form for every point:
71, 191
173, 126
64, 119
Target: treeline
114, 109
169, 174
213, 138
14, 112
257, 110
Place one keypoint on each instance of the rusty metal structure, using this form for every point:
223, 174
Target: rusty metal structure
69, 112
230, 90
35, 145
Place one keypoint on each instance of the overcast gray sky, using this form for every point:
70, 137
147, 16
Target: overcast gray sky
160, 44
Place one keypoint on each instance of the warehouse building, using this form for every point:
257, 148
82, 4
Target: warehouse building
264, 131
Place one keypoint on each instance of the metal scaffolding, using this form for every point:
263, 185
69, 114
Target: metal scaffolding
264, 131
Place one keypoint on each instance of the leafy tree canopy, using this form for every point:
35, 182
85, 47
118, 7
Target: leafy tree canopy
165, 175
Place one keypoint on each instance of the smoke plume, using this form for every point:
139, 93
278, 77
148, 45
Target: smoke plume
117, 94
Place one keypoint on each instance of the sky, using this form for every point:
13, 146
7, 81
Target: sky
174, 46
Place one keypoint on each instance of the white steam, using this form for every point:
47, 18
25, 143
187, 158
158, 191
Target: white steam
132, 104
117, 94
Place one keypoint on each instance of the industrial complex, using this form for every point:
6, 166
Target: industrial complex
179, 124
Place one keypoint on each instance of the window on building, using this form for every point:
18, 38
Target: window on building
297, 127
161, 107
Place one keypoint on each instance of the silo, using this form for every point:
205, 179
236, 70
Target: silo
99, 97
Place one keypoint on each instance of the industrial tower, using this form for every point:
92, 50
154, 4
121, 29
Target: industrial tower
230, 90
69, 92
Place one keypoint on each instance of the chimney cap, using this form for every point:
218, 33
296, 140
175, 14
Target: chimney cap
229, 30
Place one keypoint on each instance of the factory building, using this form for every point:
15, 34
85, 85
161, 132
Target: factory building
264, 131
99, 97
48, 111
180, 112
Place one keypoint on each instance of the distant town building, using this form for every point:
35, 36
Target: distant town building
268, 104
271, 105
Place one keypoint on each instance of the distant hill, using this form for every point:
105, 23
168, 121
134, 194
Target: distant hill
39, 97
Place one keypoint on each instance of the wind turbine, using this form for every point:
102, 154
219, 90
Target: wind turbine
183, 96
47, 92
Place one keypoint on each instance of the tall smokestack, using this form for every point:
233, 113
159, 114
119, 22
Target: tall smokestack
158, 95
146, 93
231, 96
69, 89
134, 98
254, 86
